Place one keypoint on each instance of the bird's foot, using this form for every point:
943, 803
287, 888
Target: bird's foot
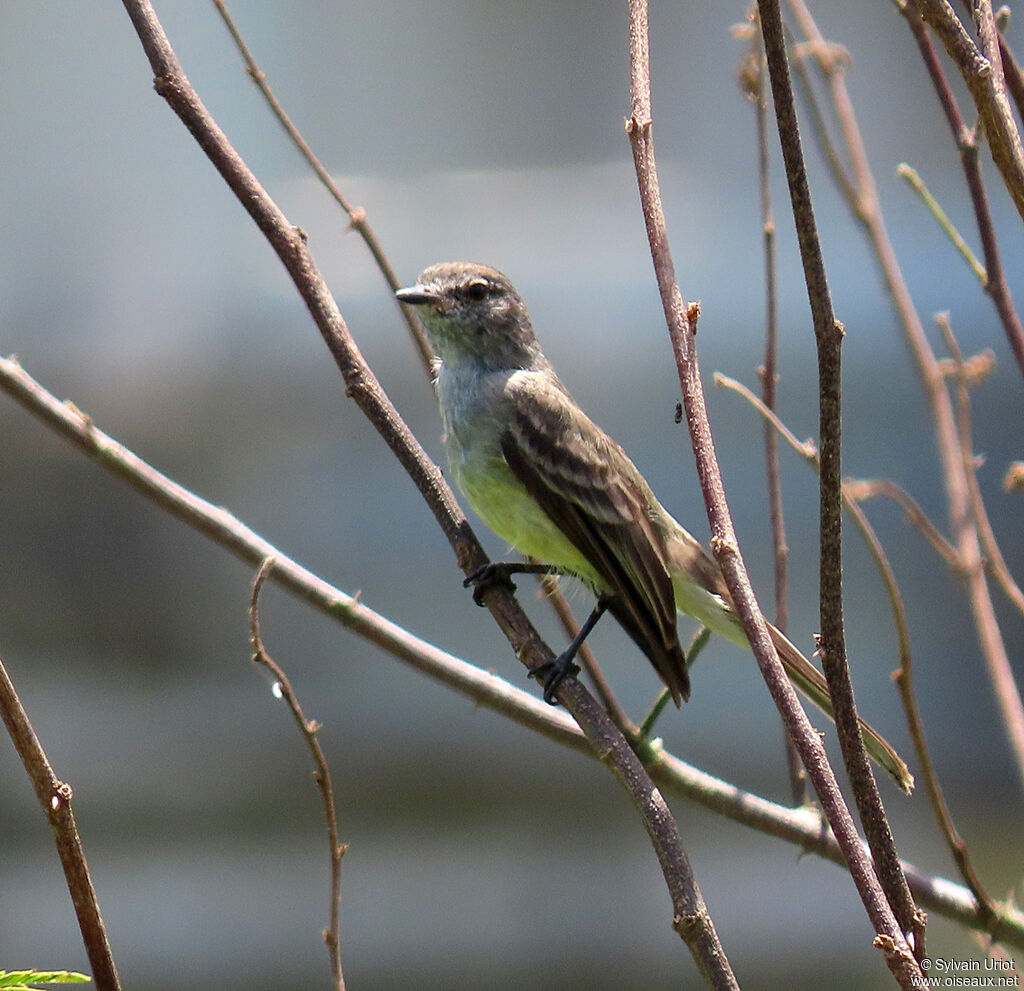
487, 575
498, 572
552, 673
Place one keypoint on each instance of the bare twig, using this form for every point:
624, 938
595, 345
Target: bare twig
914, 180
904, 676
752, 82
982, 69
995, 562
1013, 72
864, 207
356, 214
681, 320
55, 797
828, 337
798, 826
862, 489
321, 776
995, 283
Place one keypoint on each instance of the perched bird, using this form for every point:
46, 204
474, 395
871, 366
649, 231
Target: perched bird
548, 480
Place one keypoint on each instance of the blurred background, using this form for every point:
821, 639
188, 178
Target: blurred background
133, 284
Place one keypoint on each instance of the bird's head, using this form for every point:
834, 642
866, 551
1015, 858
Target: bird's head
473, 313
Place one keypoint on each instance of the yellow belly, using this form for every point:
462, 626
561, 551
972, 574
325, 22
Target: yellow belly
502, 502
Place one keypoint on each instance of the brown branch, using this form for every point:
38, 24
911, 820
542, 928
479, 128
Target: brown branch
321, 776
862, 489
289, 243
356, 214
1013, 72
982, 70
801, 827
55, 797
931, 373
863, 205
828, 334
852, 492
994, 560
752, 83
966, 140
681, 320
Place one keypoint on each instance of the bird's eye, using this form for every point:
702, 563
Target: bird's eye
476, 290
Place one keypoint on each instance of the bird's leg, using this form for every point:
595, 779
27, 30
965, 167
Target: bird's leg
497, 573
554, 672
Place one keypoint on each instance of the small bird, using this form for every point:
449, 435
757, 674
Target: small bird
545, 478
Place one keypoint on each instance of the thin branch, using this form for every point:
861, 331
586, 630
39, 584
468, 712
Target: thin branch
752, 82
801, 827
864, 207
904, 679
1013, 72
994, 282
914, 180
995, 562
681, 320
356, 214
828, 333
982, 69
321, 776
55, 797
862, 489
904, 676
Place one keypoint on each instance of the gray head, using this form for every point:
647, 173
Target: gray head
473, 313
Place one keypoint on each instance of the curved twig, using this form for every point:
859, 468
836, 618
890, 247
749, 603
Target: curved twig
321, 776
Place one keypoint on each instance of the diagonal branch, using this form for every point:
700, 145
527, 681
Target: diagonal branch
981, 66
681, 321
55, 797
801, 827
356, 214
692, 920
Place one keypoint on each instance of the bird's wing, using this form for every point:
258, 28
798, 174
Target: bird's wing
592, 492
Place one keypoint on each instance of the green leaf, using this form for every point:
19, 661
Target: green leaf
18, 980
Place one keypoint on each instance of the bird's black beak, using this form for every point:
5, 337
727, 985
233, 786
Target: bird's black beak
415, 295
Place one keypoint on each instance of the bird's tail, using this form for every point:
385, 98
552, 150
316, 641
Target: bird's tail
701, 593
810, 681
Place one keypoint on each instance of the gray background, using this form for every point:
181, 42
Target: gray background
132, 283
